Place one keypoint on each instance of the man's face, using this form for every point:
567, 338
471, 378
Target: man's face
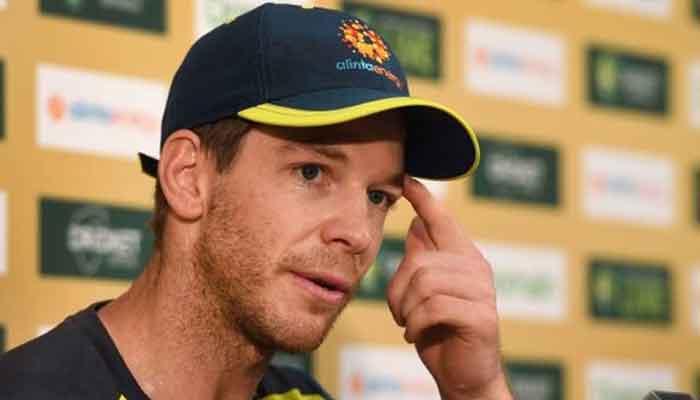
294, 224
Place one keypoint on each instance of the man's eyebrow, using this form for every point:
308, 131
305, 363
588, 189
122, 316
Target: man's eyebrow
397, 181
325, 151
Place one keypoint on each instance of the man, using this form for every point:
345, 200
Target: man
286, 138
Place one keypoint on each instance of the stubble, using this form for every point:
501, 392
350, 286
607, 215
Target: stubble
232, 259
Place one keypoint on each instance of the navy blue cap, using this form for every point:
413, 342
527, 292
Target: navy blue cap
286, 65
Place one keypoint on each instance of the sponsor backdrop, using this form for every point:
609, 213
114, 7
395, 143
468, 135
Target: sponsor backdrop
696, 196
536, 380
626, 381
587, 203
3, 233
2, 99
694, 291
694, 94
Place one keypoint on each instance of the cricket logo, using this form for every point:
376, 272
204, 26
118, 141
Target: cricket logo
95, 243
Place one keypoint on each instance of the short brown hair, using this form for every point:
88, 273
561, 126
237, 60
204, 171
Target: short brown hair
221, 139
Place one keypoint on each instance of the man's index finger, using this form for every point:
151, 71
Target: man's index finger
443, 230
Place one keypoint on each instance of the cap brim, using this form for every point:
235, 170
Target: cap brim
440, 144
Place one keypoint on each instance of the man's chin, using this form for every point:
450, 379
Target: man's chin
299, 346
300, 339
288, 325
301, 335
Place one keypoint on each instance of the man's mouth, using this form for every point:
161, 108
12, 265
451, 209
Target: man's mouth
325, 287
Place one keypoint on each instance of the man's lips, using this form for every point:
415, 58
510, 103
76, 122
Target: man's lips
330, 288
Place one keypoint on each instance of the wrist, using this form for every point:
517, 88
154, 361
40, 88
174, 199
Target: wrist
496, 389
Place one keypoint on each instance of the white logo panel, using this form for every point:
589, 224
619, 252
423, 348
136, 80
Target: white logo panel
648, 8
695, 298
507, 61
384, 373
211, 13
631, 187
98, 113
530, 281
624, 381
694, 94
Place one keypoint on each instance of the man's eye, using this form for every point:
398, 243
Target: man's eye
310, 172
377, 197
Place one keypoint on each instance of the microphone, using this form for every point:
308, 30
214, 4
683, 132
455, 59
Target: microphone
664, 395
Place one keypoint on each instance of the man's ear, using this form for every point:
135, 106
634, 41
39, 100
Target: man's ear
183, 174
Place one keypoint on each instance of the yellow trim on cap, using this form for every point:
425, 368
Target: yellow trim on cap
271, 114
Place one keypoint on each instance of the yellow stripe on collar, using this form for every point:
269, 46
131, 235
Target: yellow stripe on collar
293, 394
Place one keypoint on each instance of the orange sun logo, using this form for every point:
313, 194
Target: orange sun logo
359, 38
57, 107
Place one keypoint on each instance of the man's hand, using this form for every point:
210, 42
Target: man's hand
444, 296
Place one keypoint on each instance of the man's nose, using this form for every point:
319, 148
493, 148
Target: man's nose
350, 226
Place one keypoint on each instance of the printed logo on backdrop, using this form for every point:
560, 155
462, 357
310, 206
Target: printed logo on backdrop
696, 202
2, 100
507, 61
376, 280
694, 94
531, 380
630, 291
607, 380
211, 13
299, 361
517, 172
414, 38
4, 231
98, 113
630, 187
623, 80
695, 298
93, 240
384, 373
647, 8
530, 281
146, 15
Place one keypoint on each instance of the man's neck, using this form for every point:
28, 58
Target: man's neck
176, 342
